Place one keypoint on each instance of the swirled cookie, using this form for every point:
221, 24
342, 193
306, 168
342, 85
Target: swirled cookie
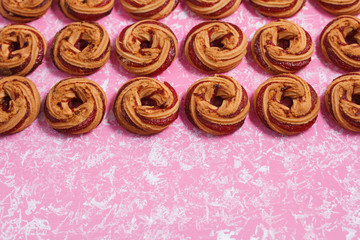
149, 9
342, 99
340, 7
86, 10
215, 46
217, 105
81, 48
146, 106
210, 9
75, 105
340, 42
23, 10
286, 104
20, 104
278, 8
282, 47
22, 49
147, 47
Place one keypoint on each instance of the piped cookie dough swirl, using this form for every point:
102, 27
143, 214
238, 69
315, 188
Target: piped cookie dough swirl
282, 47
81, 48
213, 9
20, 104
342, 99
147, 47
75, 105
149, 9
24, 10
22, 49
340, 7
286, 104
87, 10
278, 8
215, 46
146, 106
340, 42
217, 105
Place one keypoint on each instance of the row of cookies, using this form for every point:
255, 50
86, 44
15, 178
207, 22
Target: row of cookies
217, 105
149, 47
92, 10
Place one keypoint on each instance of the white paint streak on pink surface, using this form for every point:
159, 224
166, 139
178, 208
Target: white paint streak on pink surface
181, 183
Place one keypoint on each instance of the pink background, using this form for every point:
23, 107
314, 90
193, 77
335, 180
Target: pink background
181, 183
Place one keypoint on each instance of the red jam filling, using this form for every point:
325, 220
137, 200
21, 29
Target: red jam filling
147, 101
74, 103
335, 59
175, 96
14, 14
19, 68
22, 121
43, 3
286, 101
223, 129
350, 37
242, 105
194, 59
47, 114
145, 44
88, 17
135, 4
14, 46
162, 121
82, 125
155, 11
81, 44
259, 110
257, 53
5, 103
21, 16
283, 43
351, 121
273, 9
337, 6
218, 42
103, 3
355, 98
126, 117
76, 69
40, 55
291, 66
216, 101
224, 9
202, 3
167, 62
292, 128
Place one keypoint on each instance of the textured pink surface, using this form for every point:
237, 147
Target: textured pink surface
181, 183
